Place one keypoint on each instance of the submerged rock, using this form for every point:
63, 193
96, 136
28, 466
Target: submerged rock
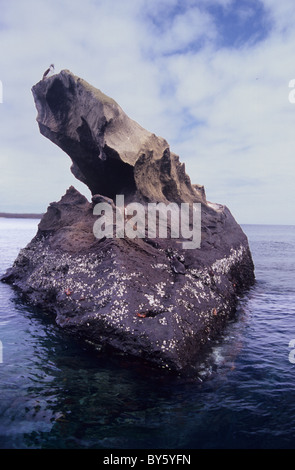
145, 297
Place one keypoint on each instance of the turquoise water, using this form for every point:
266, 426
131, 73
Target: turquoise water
57, 394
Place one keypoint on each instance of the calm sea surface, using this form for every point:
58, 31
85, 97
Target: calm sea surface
57, 394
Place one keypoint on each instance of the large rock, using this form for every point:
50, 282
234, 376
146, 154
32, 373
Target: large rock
111, 153
143, 297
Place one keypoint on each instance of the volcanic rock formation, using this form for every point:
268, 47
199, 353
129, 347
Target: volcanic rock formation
143, 297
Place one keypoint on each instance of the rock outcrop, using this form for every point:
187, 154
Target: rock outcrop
111, 153
144, 297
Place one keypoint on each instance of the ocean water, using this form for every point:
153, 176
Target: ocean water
56, 394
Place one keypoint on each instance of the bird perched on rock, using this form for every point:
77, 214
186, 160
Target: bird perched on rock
50, 69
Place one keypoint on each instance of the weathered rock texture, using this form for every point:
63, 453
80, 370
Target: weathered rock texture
111, 153
146, 298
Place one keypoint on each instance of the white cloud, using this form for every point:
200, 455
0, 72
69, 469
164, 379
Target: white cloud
282, 14
180, 31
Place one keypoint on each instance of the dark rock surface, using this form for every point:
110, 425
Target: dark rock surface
148, 298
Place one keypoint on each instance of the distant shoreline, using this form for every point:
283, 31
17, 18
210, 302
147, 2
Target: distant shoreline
9, 215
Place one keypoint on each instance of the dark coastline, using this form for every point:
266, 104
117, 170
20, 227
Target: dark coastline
9, 215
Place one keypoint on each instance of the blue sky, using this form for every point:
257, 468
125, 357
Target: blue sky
210, 76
